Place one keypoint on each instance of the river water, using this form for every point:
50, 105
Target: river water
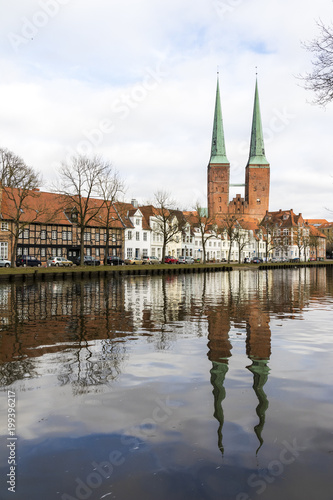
189, 387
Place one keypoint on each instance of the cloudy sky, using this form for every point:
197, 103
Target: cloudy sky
134, 81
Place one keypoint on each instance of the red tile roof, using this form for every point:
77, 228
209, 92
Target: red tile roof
48, 208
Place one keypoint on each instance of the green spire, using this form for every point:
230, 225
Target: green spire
218, 154
257, 149
260, 371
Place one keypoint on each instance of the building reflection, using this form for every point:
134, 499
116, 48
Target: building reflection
251, 314
85, 326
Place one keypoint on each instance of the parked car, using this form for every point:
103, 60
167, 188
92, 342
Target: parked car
27, 260
114, 260
151, 260
168, 259
185, 260
134, 261
189, 260
87, 261
59, 262
4, 262
256, 260
295, 259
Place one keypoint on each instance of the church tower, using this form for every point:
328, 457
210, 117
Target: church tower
257, 172
219, 166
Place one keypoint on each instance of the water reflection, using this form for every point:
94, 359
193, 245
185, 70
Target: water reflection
88, 325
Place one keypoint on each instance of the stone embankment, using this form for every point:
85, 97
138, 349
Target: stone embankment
52, 274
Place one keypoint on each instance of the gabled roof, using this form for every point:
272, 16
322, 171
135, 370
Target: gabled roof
284, 218
315, 232
127, 210
316, 222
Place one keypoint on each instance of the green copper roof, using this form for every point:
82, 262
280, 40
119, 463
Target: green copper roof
257, 148
218, 154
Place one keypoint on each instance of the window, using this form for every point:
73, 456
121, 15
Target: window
54, 235
42, 252
137, 236
129, 253
97, 236
145, 252
4, 226
19, 251
114, 237
129, 235
25, 251
144, 236
54, 252
69, 235
43, 234
64, 235
59, 252
137, 222
88, 251
26, 234
87, 236
97, 252
4, 249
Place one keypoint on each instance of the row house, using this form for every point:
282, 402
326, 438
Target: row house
246, 242
289, 236
326, 228
137, 233
154, 221
48, 227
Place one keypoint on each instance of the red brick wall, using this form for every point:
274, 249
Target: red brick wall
257, 190
218, 188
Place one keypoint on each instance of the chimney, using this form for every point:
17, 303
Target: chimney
134, 202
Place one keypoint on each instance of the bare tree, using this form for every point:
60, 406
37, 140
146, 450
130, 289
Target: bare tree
320, 80
314, 242
79, 184
227, 226
299, 239
167, 223
20, 186
269, 228
110, 186
240, 236
206, 227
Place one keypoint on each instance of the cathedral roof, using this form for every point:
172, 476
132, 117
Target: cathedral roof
218, 152
257, 149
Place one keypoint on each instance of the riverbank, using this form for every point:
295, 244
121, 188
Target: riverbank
79, 272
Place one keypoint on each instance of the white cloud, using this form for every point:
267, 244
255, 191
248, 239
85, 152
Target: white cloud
147, 71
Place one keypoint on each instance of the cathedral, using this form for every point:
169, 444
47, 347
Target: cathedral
257, 172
